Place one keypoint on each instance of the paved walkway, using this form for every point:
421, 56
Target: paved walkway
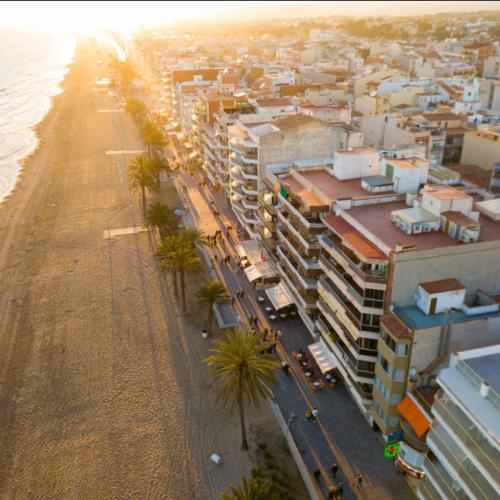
342, 435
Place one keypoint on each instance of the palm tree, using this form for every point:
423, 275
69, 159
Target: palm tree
255, 488
210, 294
162, 216
152, 136
193, 236
245, 373
185, 262
137, 109
170, 244
140, 162
142, 180
158, 165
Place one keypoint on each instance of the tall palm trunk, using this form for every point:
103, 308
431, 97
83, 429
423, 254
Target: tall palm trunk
183, 292
210, 317
244, 442
143, 195
176, 290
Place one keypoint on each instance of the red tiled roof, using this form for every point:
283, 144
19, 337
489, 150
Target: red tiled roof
396, 326
440, 117
478, 45
187, 75
267, 103
440, 286
354, 239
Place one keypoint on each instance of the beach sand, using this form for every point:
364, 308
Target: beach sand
102, 390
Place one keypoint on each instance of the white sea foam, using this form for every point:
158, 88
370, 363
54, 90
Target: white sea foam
32, 65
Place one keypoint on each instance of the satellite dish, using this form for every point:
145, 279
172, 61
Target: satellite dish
413, 371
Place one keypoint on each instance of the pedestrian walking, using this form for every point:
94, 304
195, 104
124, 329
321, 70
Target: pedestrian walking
331, 493
309, 415
285, 367
204, 333
279, 332
334, 469
242, 293
339, 491
233, 300
317, 474
228, 259
315, 412
359, 480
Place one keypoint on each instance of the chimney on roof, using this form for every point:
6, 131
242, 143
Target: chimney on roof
485, 389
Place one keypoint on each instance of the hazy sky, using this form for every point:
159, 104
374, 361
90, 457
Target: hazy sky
88, 14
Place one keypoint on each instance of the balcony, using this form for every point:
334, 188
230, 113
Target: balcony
307, 304
249, 204
250, 189
437, 474
461, 427
249, 173
307, 283
308, 243
362, 270
309, 222
307, 264
463, 471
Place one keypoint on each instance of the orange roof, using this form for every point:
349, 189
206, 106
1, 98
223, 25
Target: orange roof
440, 286
354, 239
187, 75
280, 101
395, 325
414, 415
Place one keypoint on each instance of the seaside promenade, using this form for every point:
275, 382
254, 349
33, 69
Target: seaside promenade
102, 390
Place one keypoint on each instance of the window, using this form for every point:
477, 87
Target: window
385, 365
402, 350
399, 375
394, 422
394, 399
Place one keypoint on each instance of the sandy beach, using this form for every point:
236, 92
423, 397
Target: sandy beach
102, 391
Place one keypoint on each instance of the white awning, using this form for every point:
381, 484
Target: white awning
250, 249
323, 356
267, 269
279, 296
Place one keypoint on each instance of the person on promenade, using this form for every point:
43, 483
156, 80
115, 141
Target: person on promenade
331, 493
242, 293
285, 367
315, 415
359, 480
309, 415
204, 333
334, 469
339, 491
317, 474
233, 300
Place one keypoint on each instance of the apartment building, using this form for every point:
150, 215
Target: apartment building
259, 140
463, 460
482, 147
377, 254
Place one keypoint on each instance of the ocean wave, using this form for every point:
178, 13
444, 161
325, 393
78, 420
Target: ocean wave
32, 67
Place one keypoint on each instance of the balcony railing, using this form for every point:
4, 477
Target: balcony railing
309, 244
443, 446
438, 475
308, 263
360, 301
307, 283
460, 425
364, 274
307, 303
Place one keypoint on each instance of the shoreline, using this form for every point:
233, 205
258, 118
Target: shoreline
40, 130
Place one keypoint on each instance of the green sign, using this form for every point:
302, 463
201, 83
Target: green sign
391, 450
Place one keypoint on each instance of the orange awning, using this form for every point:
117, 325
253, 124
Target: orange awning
414, 415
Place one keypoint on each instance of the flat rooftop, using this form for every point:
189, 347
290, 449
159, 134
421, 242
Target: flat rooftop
330, 186
376, 218
414, 317
487, 367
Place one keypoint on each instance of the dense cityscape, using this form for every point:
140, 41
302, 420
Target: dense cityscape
291, 250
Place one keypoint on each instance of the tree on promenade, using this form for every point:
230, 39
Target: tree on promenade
153, 137
183, 261
136, 108
141, 178
210, 294
245, 374
158, 165
163, 217
255, 488
169, 245
194, 236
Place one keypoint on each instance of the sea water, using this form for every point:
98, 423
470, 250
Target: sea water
32, 66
